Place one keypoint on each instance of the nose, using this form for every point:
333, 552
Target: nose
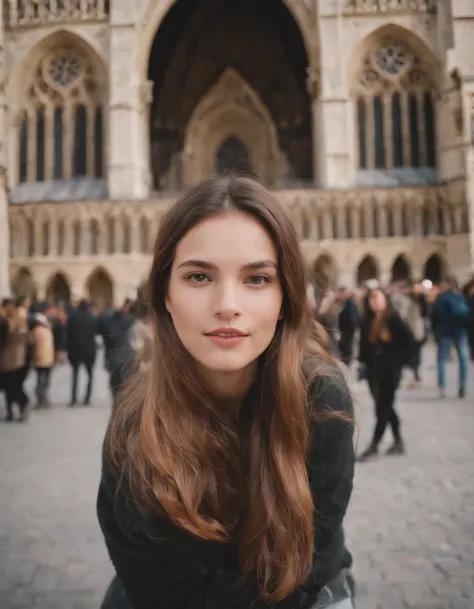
227, 302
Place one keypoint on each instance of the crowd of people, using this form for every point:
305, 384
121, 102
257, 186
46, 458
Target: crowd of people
393, 326
38, 337
390, 326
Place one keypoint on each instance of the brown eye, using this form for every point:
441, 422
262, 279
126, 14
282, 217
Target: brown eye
197, 278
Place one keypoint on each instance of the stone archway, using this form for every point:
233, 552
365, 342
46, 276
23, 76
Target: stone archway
434, 269
100, 289
401, 269
58, 289
156, 12
252, 68
230, 107
24, 285
367, 269
325, 273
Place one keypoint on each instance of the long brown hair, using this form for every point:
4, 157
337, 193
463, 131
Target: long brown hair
177, 451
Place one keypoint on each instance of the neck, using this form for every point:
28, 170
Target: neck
229, 388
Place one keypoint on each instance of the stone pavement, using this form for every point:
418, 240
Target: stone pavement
410, 524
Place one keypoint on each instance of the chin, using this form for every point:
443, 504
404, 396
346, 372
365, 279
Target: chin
225, 363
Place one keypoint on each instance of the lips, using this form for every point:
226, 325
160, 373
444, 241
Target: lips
227, 333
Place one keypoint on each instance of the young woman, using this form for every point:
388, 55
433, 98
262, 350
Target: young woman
228, 465
386, 344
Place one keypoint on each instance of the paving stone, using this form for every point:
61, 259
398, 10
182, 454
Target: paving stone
409, 526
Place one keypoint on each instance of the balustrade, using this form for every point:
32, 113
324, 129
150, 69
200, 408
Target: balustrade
36, 12
319, 216
390, 6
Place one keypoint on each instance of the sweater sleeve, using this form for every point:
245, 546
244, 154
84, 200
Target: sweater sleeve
155, 575
331, 473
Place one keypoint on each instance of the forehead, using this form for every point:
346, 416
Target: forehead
226, 237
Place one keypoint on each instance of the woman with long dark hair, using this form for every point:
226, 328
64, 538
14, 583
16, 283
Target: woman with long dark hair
386, 344
228, 463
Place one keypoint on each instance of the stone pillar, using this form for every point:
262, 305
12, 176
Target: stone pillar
4, 224
4, 238
127, 158
331, 110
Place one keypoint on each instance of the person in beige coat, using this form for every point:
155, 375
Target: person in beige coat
42, 341
13, 355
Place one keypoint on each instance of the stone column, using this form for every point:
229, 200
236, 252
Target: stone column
331, 110
4, 224
4, 238
127, 159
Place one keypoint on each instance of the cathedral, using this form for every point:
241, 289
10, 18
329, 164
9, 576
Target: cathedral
357, 114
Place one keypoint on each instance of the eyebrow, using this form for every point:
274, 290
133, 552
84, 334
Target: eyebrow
251, 266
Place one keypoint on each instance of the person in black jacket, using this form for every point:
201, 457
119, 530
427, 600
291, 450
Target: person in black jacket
228, 463
386, 344
82, 330
349, 320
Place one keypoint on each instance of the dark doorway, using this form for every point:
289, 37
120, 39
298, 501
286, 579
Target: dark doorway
194, 45
434, 269
401, 270
233, 156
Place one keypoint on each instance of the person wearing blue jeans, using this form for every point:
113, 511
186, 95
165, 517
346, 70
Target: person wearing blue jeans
450, 317
446, 343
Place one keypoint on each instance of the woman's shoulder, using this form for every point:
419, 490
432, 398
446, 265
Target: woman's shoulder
328, 389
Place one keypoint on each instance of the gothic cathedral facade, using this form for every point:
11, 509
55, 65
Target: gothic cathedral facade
357, 113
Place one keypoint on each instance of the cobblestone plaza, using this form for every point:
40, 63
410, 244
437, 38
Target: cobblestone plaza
410, 524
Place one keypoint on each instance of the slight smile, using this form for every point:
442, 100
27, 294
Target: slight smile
226, 337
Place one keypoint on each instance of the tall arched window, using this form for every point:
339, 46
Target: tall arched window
395, 110
63, 105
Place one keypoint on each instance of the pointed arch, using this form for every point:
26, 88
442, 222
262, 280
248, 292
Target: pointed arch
100, 288
401, 269
232, 107
61, 81
325, 272
368, 268
394, 79
434, 268
23, 284
155, 12
418, 45
58, 288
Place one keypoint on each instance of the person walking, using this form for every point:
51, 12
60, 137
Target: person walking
450, 318
82, 329
42, 342
386, 343
228, 464
348, 323
416, 318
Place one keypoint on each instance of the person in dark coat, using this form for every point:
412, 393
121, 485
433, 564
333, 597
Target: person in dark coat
82, 330
115, 331
349, 320
386, 345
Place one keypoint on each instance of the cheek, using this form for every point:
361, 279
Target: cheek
268, 310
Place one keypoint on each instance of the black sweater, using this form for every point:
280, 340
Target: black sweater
392, 355
178, 571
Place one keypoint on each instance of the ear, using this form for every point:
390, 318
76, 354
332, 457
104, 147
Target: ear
168, 304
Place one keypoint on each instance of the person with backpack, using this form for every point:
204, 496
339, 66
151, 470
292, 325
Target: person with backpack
449, 319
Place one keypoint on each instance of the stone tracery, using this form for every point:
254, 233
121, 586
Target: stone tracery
60, 132
395, 109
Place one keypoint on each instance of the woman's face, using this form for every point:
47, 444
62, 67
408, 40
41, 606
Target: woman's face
224, 293
377, 301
